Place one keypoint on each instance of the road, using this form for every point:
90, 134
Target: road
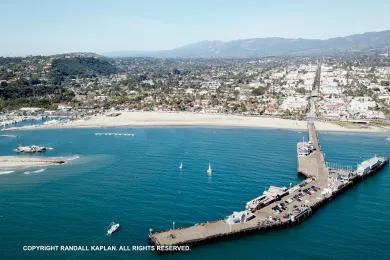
311, 114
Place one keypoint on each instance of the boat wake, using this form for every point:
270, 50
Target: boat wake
72, 158
114, 134
6, 172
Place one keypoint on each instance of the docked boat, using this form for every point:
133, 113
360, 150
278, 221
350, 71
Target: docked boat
113, 227
304, 148
209, 170
51, 122
31, 149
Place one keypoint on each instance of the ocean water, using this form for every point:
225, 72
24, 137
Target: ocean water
134, 180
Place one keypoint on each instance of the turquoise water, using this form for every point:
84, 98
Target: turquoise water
135, 181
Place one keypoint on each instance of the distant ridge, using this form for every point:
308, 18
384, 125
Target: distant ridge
272, 46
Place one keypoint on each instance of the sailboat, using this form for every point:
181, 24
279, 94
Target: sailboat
181, 166
209, 170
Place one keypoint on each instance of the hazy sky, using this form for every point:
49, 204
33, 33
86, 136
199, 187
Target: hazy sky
58, 26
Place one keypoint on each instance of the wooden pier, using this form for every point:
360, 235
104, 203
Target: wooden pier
299, 202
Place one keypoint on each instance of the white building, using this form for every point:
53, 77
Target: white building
294, 104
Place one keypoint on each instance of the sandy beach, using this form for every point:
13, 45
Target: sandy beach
161, 119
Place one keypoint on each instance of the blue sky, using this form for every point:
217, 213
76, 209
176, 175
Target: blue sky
58, 26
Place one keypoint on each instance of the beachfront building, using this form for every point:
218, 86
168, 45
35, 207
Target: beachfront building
364, 107
294, 105
333, 108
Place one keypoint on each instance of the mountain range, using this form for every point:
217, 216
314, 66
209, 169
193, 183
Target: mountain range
272, 46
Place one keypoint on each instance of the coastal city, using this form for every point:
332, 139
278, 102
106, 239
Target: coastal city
158, 130
350, 89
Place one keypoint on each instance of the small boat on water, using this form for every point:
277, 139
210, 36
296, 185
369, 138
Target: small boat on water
31, 149
181, 166
51, 122
209, 170
113, 227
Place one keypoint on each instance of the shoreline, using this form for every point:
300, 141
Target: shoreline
190, 119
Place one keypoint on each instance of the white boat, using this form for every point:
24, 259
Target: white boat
31, 149
304, 148
113, 227
181, 166
51, 122
209, 170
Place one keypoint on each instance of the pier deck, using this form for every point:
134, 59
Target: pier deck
313, 165
290, 209
265, 218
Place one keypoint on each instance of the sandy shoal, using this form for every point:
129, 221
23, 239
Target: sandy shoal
21, 162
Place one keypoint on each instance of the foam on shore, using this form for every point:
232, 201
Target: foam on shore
36, 171
6, 172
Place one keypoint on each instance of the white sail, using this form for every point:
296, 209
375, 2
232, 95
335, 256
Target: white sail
209, 170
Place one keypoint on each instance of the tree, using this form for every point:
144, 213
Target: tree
301, 91
2, 104
259, 91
